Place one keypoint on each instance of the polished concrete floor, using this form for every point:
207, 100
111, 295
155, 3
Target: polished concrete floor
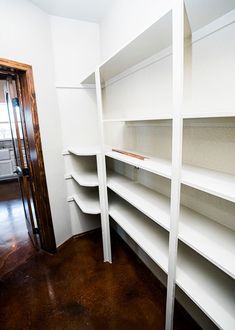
74, 289
15, 244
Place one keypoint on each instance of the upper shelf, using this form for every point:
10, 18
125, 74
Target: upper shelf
89, 80
203, 12
154, 165
154, 39
212, 182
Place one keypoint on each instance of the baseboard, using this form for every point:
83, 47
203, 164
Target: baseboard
89, 232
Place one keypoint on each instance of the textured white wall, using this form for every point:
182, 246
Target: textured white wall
25, 37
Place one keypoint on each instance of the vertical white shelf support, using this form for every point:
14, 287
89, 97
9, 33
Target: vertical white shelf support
177, 137
101, 167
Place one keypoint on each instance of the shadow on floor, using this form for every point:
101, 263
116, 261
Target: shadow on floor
74, 289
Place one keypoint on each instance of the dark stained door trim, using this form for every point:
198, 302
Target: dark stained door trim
34, 150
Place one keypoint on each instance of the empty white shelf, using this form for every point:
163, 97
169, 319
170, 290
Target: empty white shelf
85, 179
211, 289
154, 39
87, 202
155, 165
90, 79
149, 236
212, 240
154, 205
86, 151
213, 182
219, 114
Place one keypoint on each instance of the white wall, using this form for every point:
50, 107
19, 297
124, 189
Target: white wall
126, 19
76, 47
25, 37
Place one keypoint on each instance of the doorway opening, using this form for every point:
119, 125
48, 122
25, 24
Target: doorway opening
25, 216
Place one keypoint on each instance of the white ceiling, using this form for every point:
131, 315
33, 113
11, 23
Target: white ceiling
87, 10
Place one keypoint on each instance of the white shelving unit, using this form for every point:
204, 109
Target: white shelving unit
179, 69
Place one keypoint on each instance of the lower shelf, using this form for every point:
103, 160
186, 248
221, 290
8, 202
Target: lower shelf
207, 286
212, 240
87, 202
211, 289
148, 235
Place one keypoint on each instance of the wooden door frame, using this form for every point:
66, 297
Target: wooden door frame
33, 144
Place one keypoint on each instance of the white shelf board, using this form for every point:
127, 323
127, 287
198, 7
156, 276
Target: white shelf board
152, 204
85, 179
160, 116
211, 289
85, 151
215, 183
150, 237
87, 202
211, 114
154, 39
155, 165
212, 240
89, 79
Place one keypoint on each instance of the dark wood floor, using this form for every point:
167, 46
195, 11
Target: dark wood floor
15, 244
74, 289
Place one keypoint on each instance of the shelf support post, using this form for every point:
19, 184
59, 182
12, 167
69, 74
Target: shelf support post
177, 137
101, 168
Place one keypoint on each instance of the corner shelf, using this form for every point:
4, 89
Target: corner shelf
88, 179
148, 235
86, 151
88, 203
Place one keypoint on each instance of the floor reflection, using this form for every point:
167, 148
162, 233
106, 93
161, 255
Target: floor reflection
15, 244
